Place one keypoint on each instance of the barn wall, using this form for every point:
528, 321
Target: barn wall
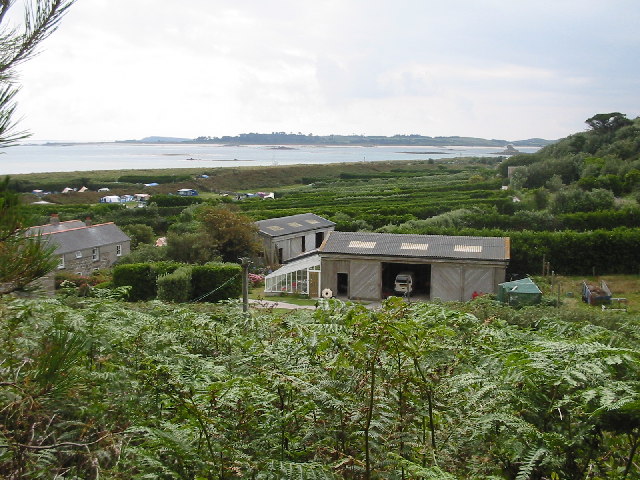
329, 273
478, 279
291, 244
365, 280
446, 282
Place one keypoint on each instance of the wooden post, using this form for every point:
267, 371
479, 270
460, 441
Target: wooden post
544, 264
245, 283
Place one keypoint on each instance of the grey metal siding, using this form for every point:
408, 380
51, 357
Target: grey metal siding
446, 282
478, 279
365, 280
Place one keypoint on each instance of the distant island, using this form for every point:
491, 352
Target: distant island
282, 138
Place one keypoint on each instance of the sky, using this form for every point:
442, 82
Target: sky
504, 69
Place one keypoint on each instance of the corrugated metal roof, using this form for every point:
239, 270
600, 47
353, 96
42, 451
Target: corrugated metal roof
75, 239
408, 245
277, 227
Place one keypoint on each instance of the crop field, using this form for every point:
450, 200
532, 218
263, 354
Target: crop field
388, 198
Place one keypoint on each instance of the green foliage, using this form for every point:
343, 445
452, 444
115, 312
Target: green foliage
574, 200
174, 200
232, 234
145, 253
22, 259
405, 391
139, 234
139, 276
577, 253
213, 282
190, 248
175, 286
209, 283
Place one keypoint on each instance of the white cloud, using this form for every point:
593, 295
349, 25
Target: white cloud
131, 68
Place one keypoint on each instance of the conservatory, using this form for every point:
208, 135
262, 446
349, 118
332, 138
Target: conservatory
300, 276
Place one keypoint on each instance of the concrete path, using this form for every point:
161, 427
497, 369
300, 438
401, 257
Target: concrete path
272, 304
290, 306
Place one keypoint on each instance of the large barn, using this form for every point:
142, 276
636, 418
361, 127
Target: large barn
284, 238
366, 266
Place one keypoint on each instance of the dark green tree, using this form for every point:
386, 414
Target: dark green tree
608, 122
22, 259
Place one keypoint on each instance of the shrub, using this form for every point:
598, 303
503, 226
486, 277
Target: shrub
176, 286
71, 279
256, 280
174, 200
139, 233
216, 281
143, 254
140, 276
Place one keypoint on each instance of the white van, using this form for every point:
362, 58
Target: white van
404, 282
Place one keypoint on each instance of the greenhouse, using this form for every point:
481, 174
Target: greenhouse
300, 276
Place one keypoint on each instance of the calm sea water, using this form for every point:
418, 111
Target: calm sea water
118, 156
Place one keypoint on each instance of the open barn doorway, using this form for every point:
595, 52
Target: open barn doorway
420, 273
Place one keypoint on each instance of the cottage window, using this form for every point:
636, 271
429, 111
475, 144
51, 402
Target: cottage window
118, 250
78, 254
61, 262
95, 254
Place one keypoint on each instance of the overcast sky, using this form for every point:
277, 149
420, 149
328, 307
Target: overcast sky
126, 69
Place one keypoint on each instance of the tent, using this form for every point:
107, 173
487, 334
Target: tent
519, 292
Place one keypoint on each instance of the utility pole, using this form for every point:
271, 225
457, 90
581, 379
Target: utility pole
245, 283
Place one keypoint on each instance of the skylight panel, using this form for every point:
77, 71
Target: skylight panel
312, 222
414, 246
468, 248
294, 224
359, 244
275, 228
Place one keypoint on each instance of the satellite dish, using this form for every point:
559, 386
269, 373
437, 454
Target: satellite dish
327, 293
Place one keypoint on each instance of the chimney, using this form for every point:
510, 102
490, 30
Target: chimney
54, 219
88, 222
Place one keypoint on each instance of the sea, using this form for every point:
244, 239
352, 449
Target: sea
69, 157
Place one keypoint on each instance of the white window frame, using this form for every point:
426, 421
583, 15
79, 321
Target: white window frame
78, 254
118, 250
61, 262
95, 254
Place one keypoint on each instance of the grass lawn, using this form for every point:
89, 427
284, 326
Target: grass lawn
258, 294
569, 288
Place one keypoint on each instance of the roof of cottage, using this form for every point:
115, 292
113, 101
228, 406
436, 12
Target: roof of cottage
83, 237
55, 227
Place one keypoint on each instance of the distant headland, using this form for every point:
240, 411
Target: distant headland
282, 138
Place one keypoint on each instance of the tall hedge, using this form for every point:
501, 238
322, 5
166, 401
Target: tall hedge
218, 281
576, 253
213, 281
176, 286
141, 278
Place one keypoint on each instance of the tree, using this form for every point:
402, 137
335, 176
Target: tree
608, 122
22, 259
232, 234
139, 234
